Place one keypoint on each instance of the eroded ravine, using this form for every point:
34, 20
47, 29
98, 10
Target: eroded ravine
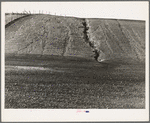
41, 82
67, 36
86, 37
115, 40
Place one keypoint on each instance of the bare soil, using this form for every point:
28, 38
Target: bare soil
49, 63
73, 83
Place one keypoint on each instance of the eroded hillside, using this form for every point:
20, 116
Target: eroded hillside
117, 39
47, 35
67, 36
50, 63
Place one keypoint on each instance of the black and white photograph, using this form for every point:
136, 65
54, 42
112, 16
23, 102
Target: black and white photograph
76, 57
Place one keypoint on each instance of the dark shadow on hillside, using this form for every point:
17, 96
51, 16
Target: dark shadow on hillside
65, 62
12, 22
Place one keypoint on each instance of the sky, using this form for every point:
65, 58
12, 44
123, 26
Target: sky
117, 10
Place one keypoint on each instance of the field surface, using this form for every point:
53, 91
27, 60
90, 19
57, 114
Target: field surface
60, 82
49, 63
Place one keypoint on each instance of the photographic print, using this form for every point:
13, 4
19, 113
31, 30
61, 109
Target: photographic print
55, 60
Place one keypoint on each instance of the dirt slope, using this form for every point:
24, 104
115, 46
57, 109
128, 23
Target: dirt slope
66, 36
56, 82
118, 39
39, 76
47, 35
